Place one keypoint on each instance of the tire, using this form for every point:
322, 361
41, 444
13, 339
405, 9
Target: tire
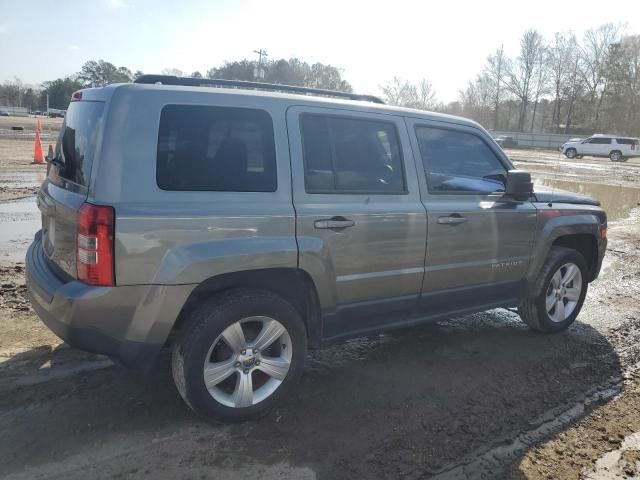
571, 153
238, 386
534, 310
615, 156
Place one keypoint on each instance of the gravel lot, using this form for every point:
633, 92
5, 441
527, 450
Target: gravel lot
473, 397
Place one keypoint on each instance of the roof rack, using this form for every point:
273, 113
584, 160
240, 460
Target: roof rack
220, 82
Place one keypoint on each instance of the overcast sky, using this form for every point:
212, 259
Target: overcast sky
445, 41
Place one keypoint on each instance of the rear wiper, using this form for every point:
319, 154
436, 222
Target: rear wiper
56, 161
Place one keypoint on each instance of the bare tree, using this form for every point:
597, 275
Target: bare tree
541, 82
623, 107
477, 99
522, 71
573, 90
173, 71
495, 71
560, 59
405, 94
595, 57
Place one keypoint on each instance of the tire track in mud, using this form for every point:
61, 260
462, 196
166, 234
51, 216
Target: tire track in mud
492, 461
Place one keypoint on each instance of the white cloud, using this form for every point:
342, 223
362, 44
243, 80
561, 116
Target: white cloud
73, 47
119, 4
4, 28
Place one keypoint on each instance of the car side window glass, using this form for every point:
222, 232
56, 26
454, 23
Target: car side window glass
349, 155
203, 148
459, 162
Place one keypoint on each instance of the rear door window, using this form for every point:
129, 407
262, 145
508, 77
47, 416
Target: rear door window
77, 143
202, 148
351, 155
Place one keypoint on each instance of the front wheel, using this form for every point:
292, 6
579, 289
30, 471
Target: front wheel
239, 354
558, 293
571, 153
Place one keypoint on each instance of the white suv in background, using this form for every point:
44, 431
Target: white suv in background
618, 149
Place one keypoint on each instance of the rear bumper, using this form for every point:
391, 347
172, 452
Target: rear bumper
130, 324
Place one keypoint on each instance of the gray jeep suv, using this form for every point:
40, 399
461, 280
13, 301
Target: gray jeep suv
241, 224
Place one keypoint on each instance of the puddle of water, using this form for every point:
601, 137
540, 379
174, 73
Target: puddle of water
19, 221
616, 201
21, 179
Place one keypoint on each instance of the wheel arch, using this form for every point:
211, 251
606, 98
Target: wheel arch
293, 284
584, 243
580, 232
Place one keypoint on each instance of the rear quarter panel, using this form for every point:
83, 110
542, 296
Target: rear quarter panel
180, 237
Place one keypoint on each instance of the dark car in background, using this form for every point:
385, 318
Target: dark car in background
506, 142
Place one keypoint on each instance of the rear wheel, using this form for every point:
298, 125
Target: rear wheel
615, 156
571, 153
558, 293
239, 355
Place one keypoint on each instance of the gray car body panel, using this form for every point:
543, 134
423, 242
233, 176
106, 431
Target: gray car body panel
396, 266
556, 220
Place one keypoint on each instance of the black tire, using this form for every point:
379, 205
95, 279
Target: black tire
206, 323
571, 153
615, 156
533, 310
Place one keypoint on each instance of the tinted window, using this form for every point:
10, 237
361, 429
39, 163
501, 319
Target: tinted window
627, 141
77, 143
351, 155
216, 149
600, 141
459, 162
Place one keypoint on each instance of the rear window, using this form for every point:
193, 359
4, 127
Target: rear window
203, 148
76, 145
627, 141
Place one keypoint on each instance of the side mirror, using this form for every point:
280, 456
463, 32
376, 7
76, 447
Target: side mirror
519, 184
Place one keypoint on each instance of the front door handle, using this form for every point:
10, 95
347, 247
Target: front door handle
335, 222
451, 220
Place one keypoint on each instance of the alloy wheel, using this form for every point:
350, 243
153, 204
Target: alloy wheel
248, 361
563, 292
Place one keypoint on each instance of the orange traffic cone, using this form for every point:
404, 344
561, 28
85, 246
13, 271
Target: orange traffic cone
38, 157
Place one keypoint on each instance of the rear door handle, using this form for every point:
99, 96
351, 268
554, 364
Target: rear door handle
451, 220
335, 222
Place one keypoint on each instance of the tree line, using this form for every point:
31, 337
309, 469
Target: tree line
561, 85
100, 73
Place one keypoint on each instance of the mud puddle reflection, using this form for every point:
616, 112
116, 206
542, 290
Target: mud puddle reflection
19, 221
617, 201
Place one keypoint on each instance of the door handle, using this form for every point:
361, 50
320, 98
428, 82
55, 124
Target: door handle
451, 220
335, 222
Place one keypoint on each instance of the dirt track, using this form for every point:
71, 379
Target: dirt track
479, 395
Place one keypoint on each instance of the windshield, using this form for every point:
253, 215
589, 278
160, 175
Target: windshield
77, 143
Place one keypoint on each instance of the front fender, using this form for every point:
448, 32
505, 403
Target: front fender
555, 222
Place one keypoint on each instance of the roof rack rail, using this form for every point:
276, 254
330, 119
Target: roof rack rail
220, 82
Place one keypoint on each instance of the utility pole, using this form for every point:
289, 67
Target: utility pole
259, 72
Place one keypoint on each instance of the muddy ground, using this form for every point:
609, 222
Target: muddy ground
473, 397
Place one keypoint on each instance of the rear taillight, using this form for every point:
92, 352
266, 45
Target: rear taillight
95, 244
